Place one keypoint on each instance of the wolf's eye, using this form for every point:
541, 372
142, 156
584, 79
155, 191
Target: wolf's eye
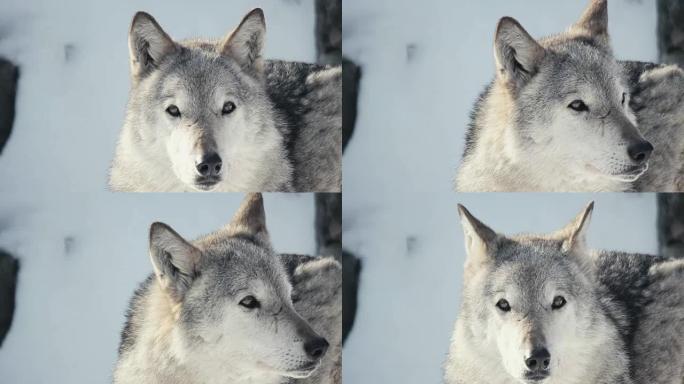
173, 111
558, 302
624, 98
250, 302
228, 108
579, 106
503, 305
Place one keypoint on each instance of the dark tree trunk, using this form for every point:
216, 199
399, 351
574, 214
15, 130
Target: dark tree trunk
329, 205
9, 74
9, 266
9, 269
671, 49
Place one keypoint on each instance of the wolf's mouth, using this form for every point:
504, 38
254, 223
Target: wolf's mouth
206, 183
632, 173
305, 370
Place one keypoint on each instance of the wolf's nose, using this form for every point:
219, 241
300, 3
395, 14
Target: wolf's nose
640, 152
539, 360
209, 165
316, 348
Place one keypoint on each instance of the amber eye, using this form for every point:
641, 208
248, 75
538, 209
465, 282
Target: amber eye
503, 305
558, 302
249, 302
228, 108
579, 106
173, 111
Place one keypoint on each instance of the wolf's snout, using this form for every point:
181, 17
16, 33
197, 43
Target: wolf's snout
640, 152
538, 361
316, 347
209, 165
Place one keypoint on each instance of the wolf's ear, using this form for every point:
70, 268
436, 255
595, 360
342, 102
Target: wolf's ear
250, 221
574, 235
479, 238
148, 44
174, 260
594, 20
517, 54
245, 43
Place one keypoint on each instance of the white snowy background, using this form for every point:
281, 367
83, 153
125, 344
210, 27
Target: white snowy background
83, 250
424, 63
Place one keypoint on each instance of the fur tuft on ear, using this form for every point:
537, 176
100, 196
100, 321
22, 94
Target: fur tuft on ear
250, 220
480, 240
574, 235
594, 20
175, 261
246, 43
517, 54
148, 44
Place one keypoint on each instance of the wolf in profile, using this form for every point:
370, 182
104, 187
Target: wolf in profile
562, 114
548, 309
215, 116
227, 309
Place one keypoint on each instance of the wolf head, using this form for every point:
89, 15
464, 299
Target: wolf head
202, 105
232, 300
530, 301
570, 99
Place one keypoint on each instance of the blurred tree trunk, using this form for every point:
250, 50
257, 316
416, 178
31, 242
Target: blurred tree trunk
671, 50
9, 266
329, 205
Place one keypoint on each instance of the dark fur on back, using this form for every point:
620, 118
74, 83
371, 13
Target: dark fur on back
286, 86
623, 278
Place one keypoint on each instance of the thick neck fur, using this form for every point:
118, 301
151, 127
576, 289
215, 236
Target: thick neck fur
496, 163
139, 167
157, 355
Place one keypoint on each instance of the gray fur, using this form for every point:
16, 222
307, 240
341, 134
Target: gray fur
623, 322
284, 134
185, 323
524, 136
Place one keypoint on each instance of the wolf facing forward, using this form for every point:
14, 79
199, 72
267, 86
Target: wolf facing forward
547, 309
563, 115
227, 309
215, 116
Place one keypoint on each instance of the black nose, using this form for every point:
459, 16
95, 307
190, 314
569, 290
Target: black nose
640, 152
539, 360
316, 348
209, 165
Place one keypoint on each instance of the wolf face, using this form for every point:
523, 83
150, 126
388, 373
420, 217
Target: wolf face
569, 100
533, 299
203, 107
235, 316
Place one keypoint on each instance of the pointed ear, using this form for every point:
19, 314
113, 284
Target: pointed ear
479, 238
175, 261
594, 20
148, 44
574, 235
517, 54
246, 42
250, 221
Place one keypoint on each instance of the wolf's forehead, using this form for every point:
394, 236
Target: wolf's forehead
200, 75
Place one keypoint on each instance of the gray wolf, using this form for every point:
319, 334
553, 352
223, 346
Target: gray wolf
227, 309
562, 114
213, 115
548, 309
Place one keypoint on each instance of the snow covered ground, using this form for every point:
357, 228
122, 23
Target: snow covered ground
83, 250
424, 63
